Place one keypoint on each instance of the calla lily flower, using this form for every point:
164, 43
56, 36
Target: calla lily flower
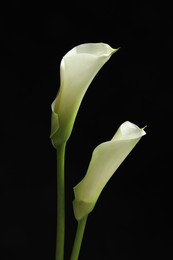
106, 158
77, 69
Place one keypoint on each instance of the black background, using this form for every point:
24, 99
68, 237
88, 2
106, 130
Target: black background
132, 219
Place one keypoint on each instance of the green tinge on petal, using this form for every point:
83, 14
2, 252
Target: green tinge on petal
106, 158
81, 207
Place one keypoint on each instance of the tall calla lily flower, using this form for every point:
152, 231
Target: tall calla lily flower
106, 158
77, 69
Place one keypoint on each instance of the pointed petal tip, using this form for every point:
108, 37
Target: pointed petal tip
143, 132
115, 49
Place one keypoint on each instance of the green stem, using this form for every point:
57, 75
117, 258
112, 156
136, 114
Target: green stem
60, 203
78, 238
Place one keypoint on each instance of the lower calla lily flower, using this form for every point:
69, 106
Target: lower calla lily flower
106, 158
77, 69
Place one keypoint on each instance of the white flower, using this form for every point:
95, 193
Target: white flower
106, 158
77, 69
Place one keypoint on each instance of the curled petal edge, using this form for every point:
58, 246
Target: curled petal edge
54, 125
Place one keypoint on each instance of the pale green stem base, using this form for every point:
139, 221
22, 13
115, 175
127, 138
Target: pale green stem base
78, 238
60, 203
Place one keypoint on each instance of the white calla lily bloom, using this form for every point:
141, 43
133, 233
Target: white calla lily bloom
77, 69
106, 158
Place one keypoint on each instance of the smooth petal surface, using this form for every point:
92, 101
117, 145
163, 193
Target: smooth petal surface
77, 69
106, 158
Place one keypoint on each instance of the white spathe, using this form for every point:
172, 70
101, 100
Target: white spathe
77, 69
106, 158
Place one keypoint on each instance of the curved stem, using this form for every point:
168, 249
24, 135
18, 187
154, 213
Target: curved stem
60, 203
78, 238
